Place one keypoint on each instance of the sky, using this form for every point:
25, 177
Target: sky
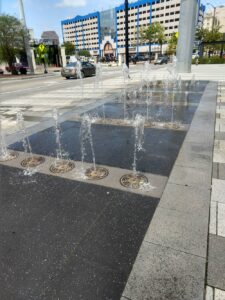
44, 15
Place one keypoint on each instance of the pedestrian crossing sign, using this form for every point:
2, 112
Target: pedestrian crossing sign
41, 47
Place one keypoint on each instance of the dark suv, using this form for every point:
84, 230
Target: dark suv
139, 57
162, 60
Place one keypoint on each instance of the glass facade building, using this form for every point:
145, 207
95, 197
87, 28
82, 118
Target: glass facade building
103, 33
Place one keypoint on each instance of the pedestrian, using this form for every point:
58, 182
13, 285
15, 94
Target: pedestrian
196, 61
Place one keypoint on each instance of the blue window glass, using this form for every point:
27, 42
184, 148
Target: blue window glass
108, 23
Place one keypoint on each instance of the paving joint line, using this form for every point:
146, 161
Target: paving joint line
177, 250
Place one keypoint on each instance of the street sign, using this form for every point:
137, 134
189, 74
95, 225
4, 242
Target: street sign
41, 47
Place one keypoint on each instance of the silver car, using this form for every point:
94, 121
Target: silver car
71, 70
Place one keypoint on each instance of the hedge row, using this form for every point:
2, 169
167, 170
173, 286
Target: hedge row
210, 60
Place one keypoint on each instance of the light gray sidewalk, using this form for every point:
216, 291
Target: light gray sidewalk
216, 250
172, 261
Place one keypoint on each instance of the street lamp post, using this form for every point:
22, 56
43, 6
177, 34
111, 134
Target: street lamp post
187, 25
26, 38
214, 15
126, 34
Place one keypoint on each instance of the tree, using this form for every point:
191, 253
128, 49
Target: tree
11, 38
84, 53
161, 38
210, 36
69, 48
154, 33
172, 44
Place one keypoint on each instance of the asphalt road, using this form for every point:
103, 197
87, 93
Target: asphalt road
14, 88
37, 96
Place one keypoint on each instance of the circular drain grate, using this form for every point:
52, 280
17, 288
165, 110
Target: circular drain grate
62, 167
9, 156
133, 181
96, 173
32, 162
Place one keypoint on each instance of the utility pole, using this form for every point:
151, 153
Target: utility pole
187, 26
214, 15
26, 37
126, 34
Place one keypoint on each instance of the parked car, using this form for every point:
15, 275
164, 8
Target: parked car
17, 68
139, 57
161, 60
91, 60
1, 71
87, 69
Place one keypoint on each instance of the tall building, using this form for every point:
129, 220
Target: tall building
219, 19
49, 38
103, 33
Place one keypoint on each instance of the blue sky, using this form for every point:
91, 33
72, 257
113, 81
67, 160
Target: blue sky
47, 14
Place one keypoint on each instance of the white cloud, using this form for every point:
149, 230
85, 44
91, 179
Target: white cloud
72, 3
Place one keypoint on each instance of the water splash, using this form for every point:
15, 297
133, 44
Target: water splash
26, 142
139, 126
166, 87
146, 72
4, 153
179, 83
59, 150
86, 138
126, 73
154, 82
80, 76
98, 83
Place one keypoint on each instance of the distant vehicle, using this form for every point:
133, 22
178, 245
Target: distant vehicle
1, 71
71, 58
139, 57
91, 60
17, 68
161, 60
71, 70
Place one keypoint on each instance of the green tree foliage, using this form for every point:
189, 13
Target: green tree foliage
69, 48
206, 35
161, 38
84, 53
172, 44
11, 38
154, 33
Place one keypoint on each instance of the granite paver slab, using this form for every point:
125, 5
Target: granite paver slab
163, 273
216, 262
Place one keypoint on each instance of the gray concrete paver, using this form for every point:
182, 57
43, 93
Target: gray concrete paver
182, 231
216, 262
162, 273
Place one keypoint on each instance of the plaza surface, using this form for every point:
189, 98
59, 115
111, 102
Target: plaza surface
64, 237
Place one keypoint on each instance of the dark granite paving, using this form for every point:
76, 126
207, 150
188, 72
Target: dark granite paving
114, 146
157, 113
63, 239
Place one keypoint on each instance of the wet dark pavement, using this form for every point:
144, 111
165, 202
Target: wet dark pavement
61, 239
156, 112
114, 146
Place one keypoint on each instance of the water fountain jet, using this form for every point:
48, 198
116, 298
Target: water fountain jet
61, 163
95, 172
31, 162
5, 154
135, 180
